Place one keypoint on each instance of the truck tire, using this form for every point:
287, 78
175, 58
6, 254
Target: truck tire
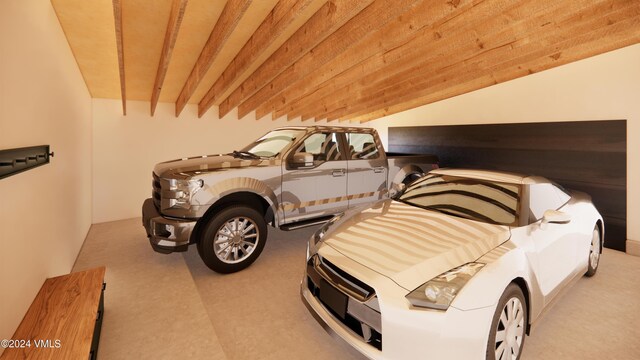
411, 178
233, 239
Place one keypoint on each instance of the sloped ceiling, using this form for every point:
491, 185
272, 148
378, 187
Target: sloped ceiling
348, 60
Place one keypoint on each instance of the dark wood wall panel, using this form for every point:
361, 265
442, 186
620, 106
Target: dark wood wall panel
588, 156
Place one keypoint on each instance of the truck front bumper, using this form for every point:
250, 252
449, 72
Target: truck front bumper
166, 235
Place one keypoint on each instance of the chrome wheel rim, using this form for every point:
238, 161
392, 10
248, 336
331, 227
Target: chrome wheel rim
594, 254
236, 240
510, 330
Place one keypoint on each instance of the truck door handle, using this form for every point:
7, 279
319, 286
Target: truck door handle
338, 172
378, 169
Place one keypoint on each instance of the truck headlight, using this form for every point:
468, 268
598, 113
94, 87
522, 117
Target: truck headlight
439, 292
183, 191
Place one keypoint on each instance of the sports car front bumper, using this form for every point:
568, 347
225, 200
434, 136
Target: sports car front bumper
408, 332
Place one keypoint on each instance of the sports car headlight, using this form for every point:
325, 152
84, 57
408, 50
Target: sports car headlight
319, 235
183, 191
439, 292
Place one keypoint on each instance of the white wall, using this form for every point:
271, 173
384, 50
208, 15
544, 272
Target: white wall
45, 213
604, 87
127, 147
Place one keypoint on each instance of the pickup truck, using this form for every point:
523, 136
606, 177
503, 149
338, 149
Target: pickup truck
289, 178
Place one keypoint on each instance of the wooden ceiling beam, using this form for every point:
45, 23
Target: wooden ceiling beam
392, 53
279, 19
567, 55
231, 15
577, 52
608, 32
323, 23
461, 42
590, 44
360, 27
117, 16
487, 25
173, 26
387, 38
371, 90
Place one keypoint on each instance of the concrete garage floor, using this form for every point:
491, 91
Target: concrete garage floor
173, 307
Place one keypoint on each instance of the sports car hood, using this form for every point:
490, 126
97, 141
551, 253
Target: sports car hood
181, 168
410, 245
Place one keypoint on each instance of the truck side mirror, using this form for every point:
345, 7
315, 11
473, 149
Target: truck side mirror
396, 189
301, 159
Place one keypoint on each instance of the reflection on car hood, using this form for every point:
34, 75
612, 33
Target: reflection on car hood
187, 167
410, 245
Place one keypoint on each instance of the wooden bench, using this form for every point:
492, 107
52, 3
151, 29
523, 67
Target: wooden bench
64, 320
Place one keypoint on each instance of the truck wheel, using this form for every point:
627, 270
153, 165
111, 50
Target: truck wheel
233, 239
411, 178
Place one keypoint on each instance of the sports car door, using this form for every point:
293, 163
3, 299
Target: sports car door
555, 243
314, 178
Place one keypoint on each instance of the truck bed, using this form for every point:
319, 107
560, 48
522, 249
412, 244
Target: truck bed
422, 157
401, 165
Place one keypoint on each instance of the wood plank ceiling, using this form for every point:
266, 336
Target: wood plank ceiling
347, 60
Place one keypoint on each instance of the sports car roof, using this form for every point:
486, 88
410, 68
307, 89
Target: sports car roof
490, 175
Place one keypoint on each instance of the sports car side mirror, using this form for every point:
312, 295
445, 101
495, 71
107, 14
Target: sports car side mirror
556, 217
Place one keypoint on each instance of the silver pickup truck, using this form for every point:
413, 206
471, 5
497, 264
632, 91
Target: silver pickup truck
289, 178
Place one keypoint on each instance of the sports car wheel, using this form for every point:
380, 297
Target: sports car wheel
594, 252
233, 239
506, 338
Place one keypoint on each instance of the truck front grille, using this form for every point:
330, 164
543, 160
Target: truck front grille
358, 317
157, 190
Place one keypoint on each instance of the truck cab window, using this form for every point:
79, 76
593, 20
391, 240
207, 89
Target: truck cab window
273, 143
322, 146
362, 146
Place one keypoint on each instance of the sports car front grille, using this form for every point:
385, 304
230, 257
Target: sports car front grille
345, 282
350, 307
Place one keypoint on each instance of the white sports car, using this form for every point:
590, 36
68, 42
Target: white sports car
458, 266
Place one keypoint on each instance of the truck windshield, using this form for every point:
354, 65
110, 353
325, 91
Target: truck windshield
273, 143
479, 200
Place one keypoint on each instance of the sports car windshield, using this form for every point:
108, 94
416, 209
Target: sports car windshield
273, 143
480, 200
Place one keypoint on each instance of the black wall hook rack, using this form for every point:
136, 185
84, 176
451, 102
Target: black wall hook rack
13, 161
